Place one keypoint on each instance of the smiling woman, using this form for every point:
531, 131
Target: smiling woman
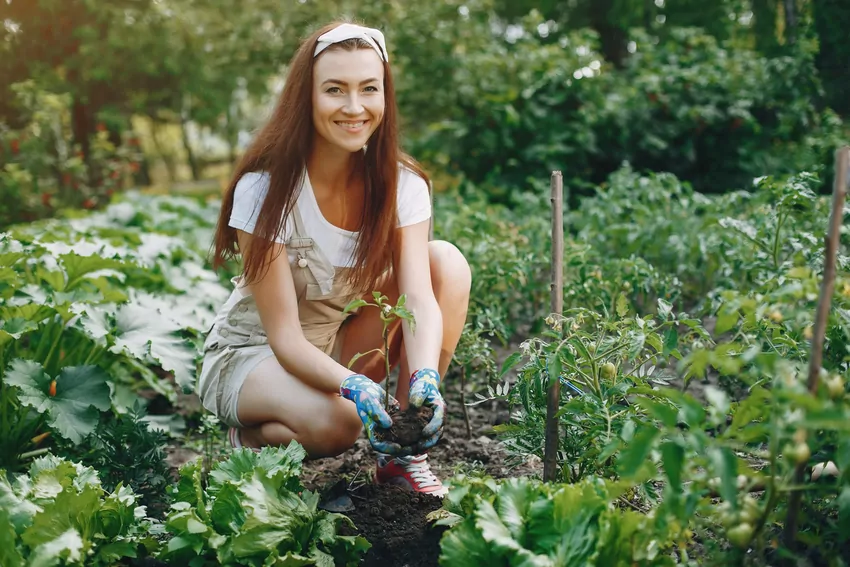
324, 207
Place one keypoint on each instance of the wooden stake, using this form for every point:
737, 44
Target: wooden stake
833, 235
556, 302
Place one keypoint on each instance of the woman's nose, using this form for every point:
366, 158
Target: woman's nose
353, 105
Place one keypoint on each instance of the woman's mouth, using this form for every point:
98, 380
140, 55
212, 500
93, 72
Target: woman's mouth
351, 126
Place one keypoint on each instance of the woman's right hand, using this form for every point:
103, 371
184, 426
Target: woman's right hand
368, 398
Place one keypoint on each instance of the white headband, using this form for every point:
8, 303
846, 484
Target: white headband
351, 31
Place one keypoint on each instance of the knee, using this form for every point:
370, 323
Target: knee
450, 271
337, 433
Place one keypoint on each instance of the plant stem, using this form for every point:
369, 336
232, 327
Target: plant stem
387, 370
779, 222
463, 401
31, 454
842, 163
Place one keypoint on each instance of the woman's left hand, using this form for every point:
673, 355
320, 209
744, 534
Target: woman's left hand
425, 391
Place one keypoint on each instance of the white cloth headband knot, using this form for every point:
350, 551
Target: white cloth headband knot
352, 31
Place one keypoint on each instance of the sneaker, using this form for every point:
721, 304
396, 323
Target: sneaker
413, 473
235, 440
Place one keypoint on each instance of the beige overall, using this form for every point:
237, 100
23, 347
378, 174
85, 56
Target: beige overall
237, 341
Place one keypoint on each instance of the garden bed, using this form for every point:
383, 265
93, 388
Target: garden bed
393, 520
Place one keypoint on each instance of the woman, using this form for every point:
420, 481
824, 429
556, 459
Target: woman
325, 208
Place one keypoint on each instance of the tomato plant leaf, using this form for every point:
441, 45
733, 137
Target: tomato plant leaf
673, 457
726, 321
510, 363
724, 465
664, 308
355, 304
637, 450
553, 368
622, 306
671, 340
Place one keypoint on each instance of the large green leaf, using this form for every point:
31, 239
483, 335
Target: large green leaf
80, 392
634, 456
14, 503
9, 554
30, 312
71, 510
77, 267
515, 499
14, 329
463, 546
143, 333
282, 464
67, 548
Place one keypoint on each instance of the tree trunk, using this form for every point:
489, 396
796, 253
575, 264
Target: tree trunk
166, 159
790, 10
764, 26
613, 38
190, 154
831, 21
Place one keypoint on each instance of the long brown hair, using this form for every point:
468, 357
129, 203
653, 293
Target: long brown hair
281, 149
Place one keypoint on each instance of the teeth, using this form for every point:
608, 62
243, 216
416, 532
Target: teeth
351, 125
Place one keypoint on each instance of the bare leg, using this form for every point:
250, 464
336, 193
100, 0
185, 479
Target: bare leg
277, 408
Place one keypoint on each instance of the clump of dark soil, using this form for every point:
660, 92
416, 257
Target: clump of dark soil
393, 519
407, 426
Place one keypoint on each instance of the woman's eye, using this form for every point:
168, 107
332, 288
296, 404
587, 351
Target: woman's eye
372, 89
333, 90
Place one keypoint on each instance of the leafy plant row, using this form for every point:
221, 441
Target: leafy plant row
93, 309
683, 354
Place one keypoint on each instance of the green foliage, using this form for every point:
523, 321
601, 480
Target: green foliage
686, 104
688, 410
254, 511
831, 18
524, 522
389, 313
80, 324
59, 514
43, 170
600, 361
125, 450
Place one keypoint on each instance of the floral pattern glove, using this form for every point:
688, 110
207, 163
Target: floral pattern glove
425, 391
368, 398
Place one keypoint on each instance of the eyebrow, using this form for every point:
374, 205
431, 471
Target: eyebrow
339, 82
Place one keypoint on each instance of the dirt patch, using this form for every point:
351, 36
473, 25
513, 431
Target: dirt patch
455, 451
393, 519
407, 426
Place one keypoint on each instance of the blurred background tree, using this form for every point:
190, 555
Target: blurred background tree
492, 92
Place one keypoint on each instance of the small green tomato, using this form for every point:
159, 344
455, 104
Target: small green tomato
740, 535
609, 371
798, 453
835, 386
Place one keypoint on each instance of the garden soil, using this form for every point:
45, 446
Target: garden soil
393, 519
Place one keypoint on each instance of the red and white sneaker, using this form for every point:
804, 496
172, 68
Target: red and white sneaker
412, 472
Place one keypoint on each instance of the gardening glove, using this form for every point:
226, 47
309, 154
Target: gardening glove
425, 391
368, 398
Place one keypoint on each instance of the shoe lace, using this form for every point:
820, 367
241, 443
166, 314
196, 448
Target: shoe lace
420, 471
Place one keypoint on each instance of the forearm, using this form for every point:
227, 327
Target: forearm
307, 363
422, 344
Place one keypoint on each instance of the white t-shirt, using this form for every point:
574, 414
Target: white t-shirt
414, 206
